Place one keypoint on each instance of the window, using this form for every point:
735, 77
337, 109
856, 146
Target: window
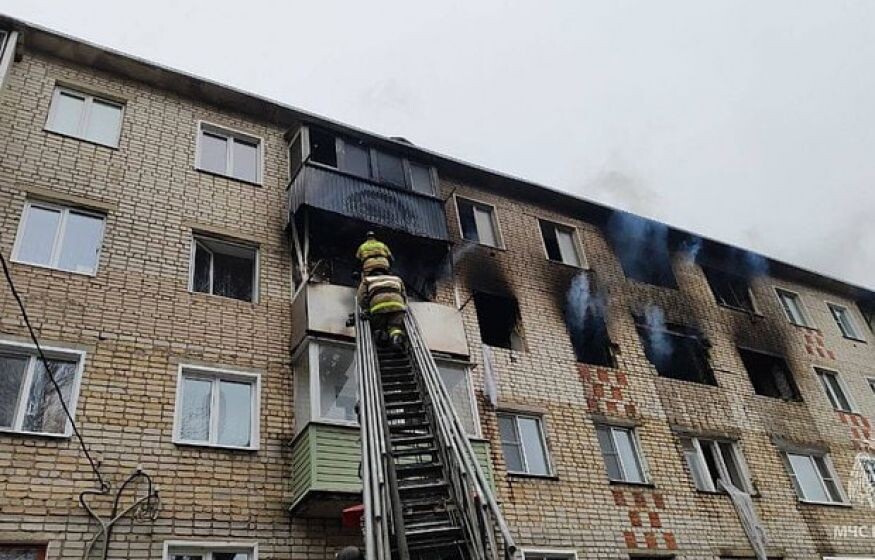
217, 407
478, 222
834, 389
229, 153
872, 383
712, 460
677, 352
355, 158
296, 154
326, 384
730, 290
621, 454
209, 551
845, 322
561, 243
59, 237
522, 443
421, 179
85, 116
791, 302
814, 478
29, 402
546, 554
391, 169
224, 268
499, 320
770, 375
323, 147
868, 313
642, 247
457, 381
22, 551
4, 36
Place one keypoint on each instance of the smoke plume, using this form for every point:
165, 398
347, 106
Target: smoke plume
660, 343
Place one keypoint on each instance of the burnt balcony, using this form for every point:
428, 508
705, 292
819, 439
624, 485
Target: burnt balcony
367, 200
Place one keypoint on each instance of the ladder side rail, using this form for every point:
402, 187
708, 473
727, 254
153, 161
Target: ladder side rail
373, 441
440, 396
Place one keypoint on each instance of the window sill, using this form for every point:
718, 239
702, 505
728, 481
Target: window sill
854, 339
805, 327
529, 476
223, 298
22, 433
749, 312
485, 246
579, 267
216, 446
630, 483
779, 399
697, 383
845, 505
229, 177
81, 139
719, 493
56, 269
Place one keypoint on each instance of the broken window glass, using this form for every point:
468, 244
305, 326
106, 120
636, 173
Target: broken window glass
499, 321
338, 383
770, 375
676, 351
323, 147
21, 552
44, 412
224, 269
730, 290
585, 310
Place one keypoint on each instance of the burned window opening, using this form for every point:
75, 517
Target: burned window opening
560, 241
323, 147
730, 290
642, 247
499, 319
868, 312
676, 351
770, 375
478, 223
585, 311
296, 154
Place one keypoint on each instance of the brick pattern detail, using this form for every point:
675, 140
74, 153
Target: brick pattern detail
606, 390
815, 345
646, 529
860, 429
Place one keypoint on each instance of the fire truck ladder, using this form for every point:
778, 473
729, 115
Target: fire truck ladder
424, 493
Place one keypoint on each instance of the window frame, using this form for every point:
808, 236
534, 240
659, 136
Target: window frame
310, 348
575, 237
231, 135
820, 372
88, 101
737, 455
754, 308
807, 322
857, 335
208, 548
539, 418
256, 267
636, 448
51, 352
794, 383
674, 330
827, 461
496, 223
215, 375
60, 234
472, 396
537, 553
39, 547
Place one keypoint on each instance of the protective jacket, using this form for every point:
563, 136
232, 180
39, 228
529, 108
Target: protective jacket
382, 294
374, 255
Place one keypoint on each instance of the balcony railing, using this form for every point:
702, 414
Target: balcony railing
364, 199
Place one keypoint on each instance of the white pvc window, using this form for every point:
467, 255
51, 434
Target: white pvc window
549, 554
209, 551
326, 384
834, 389
224, 268
622, 456
523, 445
217, 408
230, 153
477, 222
791, 303
845, 322
85, 116
814, 478
713, 460
59, 237
29, 401
457, 380
560, 242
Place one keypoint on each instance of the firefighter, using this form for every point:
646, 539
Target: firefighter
381, 294
374, 256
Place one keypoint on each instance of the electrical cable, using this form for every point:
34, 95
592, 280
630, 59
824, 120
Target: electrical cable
103, 485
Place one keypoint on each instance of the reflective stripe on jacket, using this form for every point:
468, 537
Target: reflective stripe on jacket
382, 294
373, 248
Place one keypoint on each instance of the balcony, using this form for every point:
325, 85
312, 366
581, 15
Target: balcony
365, 199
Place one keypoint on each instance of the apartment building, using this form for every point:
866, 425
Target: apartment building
185, 254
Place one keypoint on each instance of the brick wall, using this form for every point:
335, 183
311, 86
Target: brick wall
137, 322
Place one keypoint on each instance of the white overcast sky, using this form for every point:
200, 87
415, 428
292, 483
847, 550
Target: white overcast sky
749, 122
